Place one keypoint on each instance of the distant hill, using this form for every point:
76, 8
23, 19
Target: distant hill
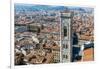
33, 7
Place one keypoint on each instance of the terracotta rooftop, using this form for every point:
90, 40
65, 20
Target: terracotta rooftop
88, 54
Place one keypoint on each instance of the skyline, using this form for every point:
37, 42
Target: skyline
38, 7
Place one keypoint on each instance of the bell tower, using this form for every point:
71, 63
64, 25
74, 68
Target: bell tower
66, 42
